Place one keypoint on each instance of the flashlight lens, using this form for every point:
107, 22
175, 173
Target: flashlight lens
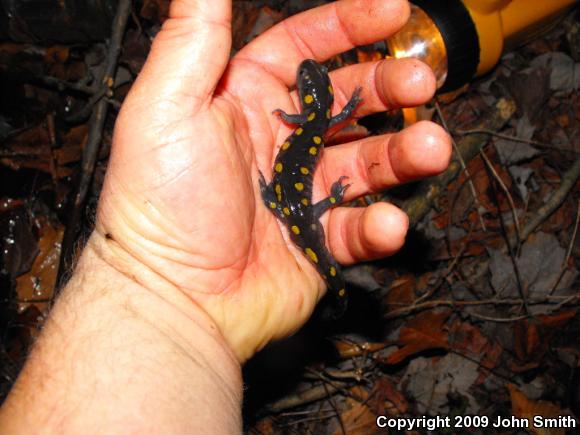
420, 38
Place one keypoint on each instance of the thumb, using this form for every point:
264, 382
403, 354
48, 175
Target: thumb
188, 55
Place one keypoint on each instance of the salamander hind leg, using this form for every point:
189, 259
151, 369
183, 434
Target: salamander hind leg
336, 196
269, 197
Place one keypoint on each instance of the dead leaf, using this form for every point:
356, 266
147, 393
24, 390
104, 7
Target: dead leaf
425, 331
56, 54
491, 357
347, 349
511, 152
539, 264
533, 337
357, 418
18, 244
38, 284
429, 382
385, 391
401, 292
522, 407
470, 341
564, 74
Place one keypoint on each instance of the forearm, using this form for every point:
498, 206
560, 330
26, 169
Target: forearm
115, 356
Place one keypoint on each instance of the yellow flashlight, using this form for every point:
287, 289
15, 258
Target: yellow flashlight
461, 39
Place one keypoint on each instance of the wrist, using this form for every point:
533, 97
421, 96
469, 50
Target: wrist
108, 333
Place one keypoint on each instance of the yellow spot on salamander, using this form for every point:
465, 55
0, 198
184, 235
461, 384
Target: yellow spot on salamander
278, 190
308, 98
272, 205
299, 186
295, 229
298, 131
332, 200
286, 145
311, 116
330, 89
313, 151
311, 254
305, 201
304, 170
278, 167
317, 140
332, 271
342, 292
327, 113
286, 211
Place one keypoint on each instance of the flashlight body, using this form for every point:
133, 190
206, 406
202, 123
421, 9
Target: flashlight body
505, 24
461, 39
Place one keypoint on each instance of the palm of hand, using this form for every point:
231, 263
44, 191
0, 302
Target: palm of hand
188, 190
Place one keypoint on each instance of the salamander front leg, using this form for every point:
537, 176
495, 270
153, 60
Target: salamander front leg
269, 197
348, 109
336, 196
299, 118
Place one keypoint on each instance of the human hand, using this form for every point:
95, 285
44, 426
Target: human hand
181, 196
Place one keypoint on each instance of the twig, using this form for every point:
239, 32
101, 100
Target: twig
311, 395
463, 166
429, 190
318, 418
568, 181
558, 301
91, 149
497, 319
87, 109
334, 407
504, 136
568, 253
51, 145
61, 85
443, 276
510, 251
509, 198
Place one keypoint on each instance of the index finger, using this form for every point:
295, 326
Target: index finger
323, 32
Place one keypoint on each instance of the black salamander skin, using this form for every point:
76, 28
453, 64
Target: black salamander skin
289, 194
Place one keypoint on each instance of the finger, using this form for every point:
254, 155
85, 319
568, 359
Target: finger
379, 162
362, 234
386, 84
323, 32
179, 66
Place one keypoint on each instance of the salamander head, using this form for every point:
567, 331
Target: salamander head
314, 85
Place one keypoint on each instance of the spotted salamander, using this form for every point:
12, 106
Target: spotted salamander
289, 194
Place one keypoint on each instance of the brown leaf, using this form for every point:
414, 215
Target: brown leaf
56, 54
533, 337
359, 419
401, 292
522, 407
558, 320
385, 391
491, 356
467, 338
425, 331
38, 284
349, 349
